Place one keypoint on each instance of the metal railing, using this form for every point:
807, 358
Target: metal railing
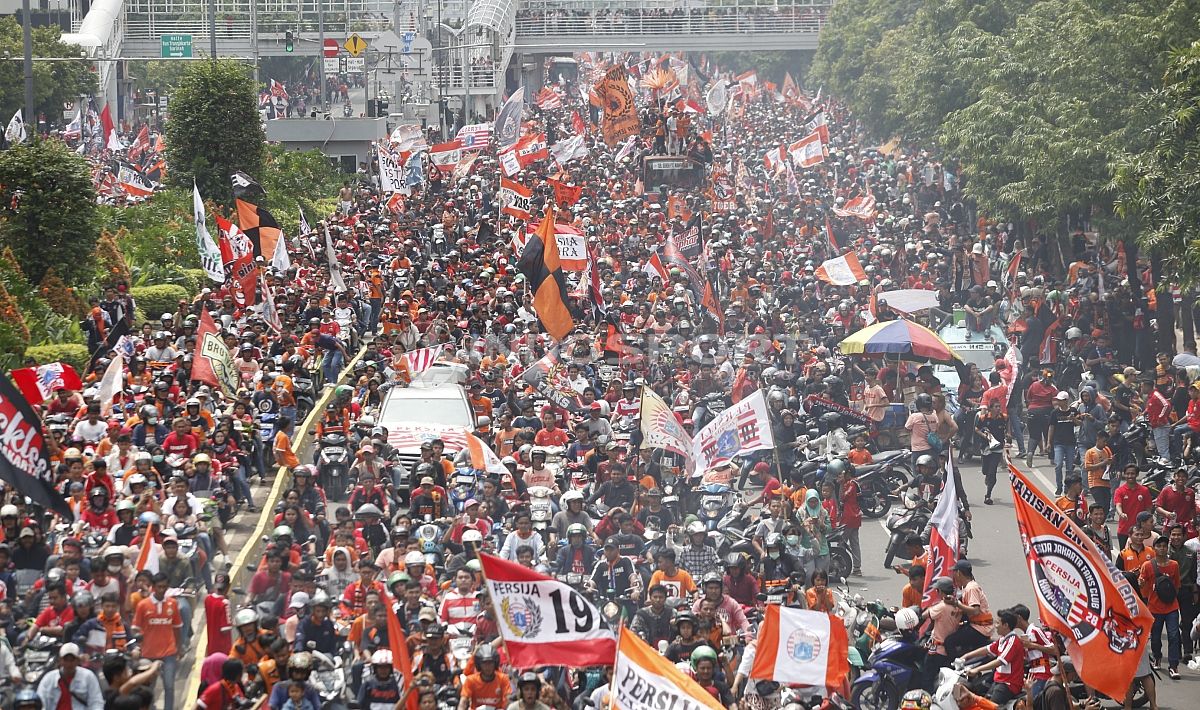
453, 77
148, 19
642, 6
709, 22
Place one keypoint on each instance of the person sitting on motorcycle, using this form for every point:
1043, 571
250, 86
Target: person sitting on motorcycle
369, 464
1008, 660
367, 489
818, 596
107, 622
416, 569
271, 669
523, 535
550, 434
472, 542
771, 486
573, 514
653, 622
250, 647
487, 686
429, 500
312, 498
318, 628
697, 556
354, 596
774, 521
299, 669
628, 537
615, 575
730, 611
739, 583
537, 473
382, 687
335, 421
778, 565
686, 641
433, 657
704, 664
469, 520
370, 520
576, 556
618, 491
99, 515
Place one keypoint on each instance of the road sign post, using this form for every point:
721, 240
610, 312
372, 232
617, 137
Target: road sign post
331, 48
176, 46
355, 45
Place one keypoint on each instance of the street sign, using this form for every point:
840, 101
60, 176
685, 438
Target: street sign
162, 101
356, 64
355, 45
331, 48
332, 65
176, 46
406, 42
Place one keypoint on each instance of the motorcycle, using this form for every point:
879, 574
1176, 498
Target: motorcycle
40, 655
707, 409
429, 539
541, 510
716, 500
333, 465
893, 668
841, 563
878, 484
462, 641
911, 519
463, 488
329, 680
302, 390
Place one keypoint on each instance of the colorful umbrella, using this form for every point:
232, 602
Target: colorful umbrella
901, 339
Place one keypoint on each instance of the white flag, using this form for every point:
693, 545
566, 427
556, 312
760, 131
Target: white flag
110, 384
210, 255
716, 97
280, 260
508, 120
737, 430
269, 314
391, 178
335, 269
569, 149
15, 133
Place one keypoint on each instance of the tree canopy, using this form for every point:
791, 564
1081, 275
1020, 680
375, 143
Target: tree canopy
214, 128
54, 83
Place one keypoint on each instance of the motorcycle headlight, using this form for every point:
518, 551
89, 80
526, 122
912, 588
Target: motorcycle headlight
611, 610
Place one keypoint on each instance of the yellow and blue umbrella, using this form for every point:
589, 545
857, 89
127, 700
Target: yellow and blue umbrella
899, 339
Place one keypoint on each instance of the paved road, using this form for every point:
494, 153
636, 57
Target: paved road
995, 551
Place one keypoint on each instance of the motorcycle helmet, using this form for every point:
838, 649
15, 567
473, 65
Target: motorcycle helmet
735, 560
27, 699
529, 678
570, 496
684, 617
835, 467
1074, 333
281, 531
773, 540
916, 699
343, 391
367, 509
712, 578
831, 420
148, 518
576, 529
925, 460
201, 458
486, 654
381, 657
696, 527
702, 653
924, 401
301, 661
414, 558
124, 504
82, 598
907, 619
245, 617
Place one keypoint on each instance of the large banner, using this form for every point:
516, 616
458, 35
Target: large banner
211, 362
660, 427
802, 647
644, 680
549, 377
545, 622
24, 460
738, 430
1080, 592
943, 534
620, 119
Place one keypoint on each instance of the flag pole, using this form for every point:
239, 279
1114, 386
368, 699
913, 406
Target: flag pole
492, 603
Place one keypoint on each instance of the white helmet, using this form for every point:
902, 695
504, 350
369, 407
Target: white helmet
696, 527
416, 558
572, 495
907, 619
9, 511
382, 657
1073, 333
245, 616
472, 536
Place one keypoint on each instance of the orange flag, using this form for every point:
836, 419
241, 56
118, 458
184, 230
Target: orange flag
398, 642
541, 267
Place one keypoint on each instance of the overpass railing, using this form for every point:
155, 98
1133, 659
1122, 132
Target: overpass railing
148, 19
557, 23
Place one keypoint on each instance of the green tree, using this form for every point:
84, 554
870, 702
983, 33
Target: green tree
48, 214
215, 129
1159, 187
54, 83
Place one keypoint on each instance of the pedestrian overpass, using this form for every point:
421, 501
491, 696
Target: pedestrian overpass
472, 49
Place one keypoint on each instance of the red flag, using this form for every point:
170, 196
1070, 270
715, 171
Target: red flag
709, 301
210, 359
106, 123
654, 267
829, 233
398, 643
565, 195
943, 535
39, 384
577, 123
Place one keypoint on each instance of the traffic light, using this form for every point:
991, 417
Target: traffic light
383, 107
289, 44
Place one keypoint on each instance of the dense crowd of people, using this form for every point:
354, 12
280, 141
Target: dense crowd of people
175, 458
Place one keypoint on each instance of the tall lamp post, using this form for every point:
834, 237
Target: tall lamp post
27, 37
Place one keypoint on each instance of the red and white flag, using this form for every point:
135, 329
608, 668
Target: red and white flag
515, 199
774, 160
844, 270
525, 152
543, 621
147, 558
654, 267
862, 207
644, 680
475, 136
801, 647
808, 151
269, 313
548, 99
445, 156
943, 534
39, 384
482, 456
421, 360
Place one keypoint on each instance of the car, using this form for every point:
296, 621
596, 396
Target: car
980, 348
434, 407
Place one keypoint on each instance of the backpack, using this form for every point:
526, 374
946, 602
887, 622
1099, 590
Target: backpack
1163, 586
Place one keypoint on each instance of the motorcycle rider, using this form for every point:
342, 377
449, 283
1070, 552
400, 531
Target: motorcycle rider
318, 628
299, 669
487, 686
576, 555
704, 664
713, 590
653, 622
614, 574
382, 686
697, 556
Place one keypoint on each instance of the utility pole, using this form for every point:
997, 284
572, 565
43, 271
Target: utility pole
27, 36
321, 50
254, 36
212, 29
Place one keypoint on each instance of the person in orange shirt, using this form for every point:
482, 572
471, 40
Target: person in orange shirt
1135, 553
914, 590
482, 405
283, 444
1152, 578
487, 685
1071, 501
859, 456
818, 596
161, 624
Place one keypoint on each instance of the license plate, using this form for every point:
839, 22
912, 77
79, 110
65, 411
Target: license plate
333, 451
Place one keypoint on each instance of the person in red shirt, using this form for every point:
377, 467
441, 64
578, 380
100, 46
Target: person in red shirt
1129, 499
550, 434
218, 616
221, 695
181, 441
1008, 660
851, 516
1166, 613
54, 617
1176, 504
1039, 400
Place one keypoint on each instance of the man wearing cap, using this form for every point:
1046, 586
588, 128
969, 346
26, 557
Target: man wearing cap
973, 604
318, 628
70, 687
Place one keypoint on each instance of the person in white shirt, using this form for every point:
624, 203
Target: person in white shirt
523, 536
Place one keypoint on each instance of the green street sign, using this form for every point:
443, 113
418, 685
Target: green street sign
176, 46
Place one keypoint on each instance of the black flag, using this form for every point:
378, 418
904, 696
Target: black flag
24, 461
245, 186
